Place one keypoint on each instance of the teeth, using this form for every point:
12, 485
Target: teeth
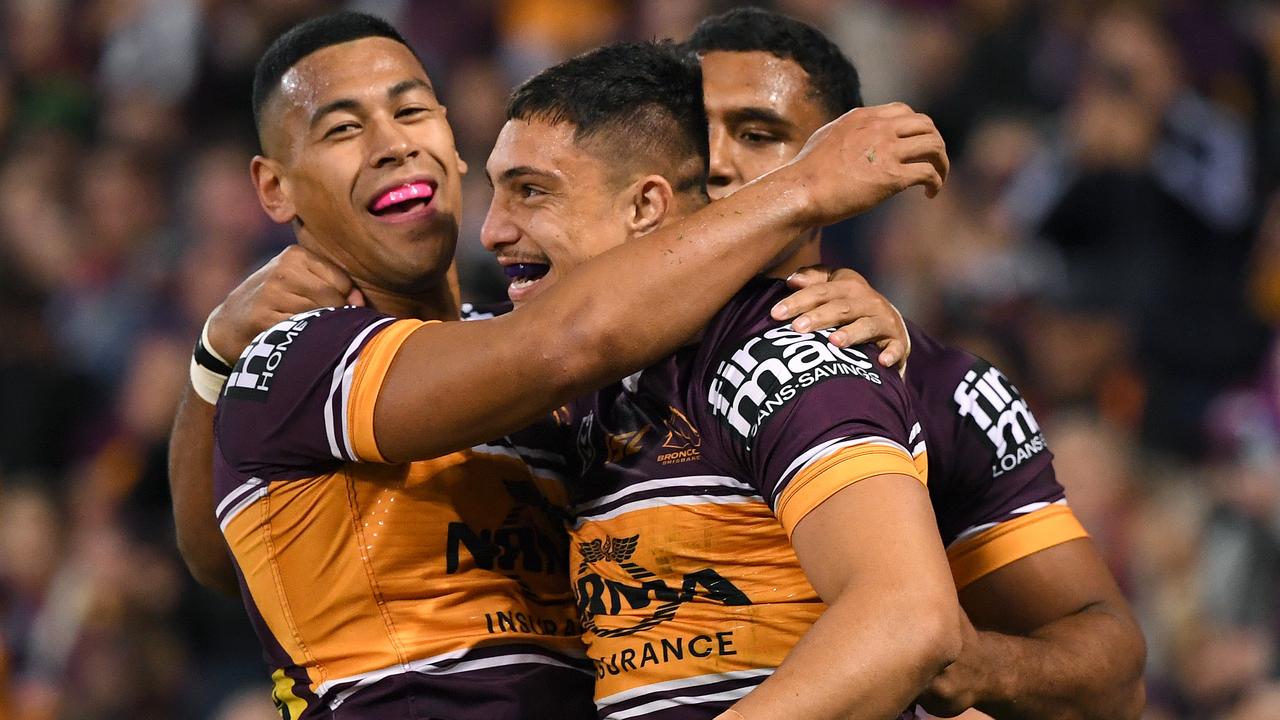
522, 282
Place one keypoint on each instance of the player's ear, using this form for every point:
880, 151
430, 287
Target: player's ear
652, 200
273, 189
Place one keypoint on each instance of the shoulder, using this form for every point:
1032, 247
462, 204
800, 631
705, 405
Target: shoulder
301, 345
756, 368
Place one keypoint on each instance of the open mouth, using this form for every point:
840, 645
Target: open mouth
403, 202
523, 277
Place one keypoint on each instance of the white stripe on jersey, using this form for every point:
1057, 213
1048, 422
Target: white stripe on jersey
692, 698
676, 501
427, 666
338, 373
1025, 509
239, 507
819, 452
234, 495
523, 454
346, 395
687, 480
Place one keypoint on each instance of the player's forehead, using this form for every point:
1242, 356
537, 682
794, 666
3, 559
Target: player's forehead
361, 70
733, 80
547, 147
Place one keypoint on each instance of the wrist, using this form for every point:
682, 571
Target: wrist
792, 191
1001, 657
209, 370
216, 340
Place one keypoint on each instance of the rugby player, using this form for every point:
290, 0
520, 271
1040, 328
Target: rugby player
749, 515
342, 474
1056, 638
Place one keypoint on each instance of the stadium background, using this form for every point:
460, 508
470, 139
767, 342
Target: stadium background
1110, 236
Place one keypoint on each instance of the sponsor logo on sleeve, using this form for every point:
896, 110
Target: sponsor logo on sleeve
772, 369
257, 367
987, 400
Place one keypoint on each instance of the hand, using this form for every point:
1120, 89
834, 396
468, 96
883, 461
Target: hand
955, 689
843, 299
294, 281
856, 161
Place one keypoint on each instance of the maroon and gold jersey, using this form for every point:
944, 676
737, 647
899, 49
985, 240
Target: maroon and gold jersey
433, 589
991, 475
688, 479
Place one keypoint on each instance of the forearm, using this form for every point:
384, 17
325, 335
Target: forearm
610, 317
1086, 666
857, 663
200, 540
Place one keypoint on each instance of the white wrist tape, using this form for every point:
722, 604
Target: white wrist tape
209, 370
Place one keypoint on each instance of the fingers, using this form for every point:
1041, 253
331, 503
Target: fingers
925, 149
806, 276
804, 300
914, 124
300, 276
828, 298
893, 353
328, 273
926, 175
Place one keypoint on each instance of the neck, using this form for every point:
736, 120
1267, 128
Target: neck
807, 251
437, 303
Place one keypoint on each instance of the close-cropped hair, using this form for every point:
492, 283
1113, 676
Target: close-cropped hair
308, 37
646, 97
832, 76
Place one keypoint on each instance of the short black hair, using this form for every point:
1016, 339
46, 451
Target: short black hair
647, 95
833, 77
307, 37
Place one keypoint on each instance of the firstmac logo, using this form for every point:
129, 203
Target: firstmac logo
992, 404
770, 370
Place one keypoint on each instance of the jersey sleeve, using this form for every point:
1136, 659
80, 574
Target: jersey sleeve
1006, 502
302, 395
801, 419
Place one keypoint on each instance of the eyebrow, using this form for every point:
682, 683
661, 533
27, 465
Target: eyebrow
348, 104
519, 170
405, 86
757, 114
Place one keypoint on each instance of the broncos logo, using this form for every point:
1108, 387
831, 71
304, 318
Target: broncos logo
680, 432
617, 550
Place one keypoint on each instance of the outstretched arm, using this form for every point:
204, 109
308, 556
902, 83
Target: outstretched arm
452, 385
1056, 640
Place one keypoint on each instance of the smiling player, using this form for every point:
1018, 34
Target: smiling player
343, 480
750, 524
1056, 639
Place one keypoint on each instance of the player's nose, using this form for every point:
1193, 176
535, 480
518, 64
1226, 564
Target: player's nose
722, 177
497, 230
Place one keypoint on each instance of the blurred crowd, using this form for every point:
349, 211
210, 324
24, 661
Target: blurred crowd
1110, 236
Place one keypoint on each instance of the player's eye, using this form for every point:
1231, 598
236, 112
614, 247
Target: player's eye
530, 191
757, 137
410, 112
345, 128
